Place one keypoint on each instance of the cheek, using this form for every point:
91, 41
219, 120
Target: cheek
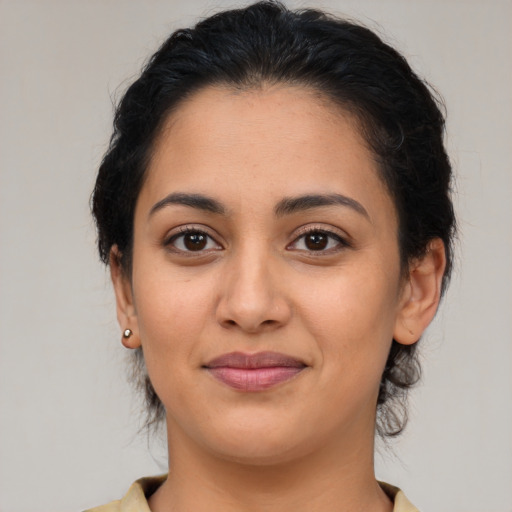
171, 314
352, 318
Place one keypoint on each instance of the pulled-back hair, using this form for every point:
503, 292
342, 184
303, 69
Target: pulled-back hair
349, 65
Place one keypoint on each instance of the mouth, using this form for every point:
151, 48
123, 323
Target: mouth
254, 372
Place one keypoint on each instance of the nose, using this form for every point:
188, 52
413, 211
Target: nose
252, 295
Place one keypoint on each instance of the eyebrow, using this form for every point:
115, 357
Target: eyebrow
291, 205
198, 201
286, 206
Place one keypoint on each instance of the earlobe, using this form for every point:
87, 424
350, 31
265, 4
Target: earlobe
421, 294
126, 313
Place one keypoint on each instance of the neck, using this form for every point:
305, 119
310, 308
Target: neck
329, 479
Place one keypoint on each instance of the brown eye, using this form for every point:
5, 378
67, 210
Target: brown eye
316, 241
320, 241
193, 241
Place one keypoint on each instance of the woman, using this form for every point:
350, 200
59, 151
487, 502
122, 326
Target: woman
274, 207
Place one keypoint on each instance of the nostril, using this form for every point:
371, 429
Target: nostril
229, 323
252, 312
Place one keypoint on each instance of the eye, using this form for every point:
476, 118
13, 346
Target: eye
193, 240
317, 240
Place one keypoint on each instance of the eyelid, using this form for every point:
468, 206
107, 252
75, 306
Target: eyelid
180, 231
326, 228
342, 237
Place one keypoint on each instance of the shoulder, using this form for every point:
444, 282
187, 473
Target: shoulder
136, 499
401, 503
113, 506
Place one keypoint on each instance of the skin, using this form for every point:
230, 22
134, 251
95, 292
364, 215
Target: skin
307, 443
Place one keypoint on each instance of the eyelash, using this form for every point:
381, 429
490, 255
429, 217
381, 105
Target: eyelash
190, 230
341, 243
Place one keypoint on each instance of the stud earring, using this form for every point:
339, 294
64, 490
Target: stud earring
127, 333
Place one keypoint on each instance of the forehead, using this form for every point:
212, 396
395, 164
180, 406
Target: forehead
273, 141
233, 115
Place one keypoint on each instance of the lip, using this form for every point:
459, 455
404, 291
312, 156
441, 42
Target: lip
254, 372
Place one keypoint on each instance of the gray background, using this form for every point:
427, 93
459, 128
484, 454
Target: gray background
68, 426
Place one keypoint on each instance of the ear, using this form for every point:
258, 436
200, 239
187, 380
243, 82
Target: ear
421, 294
126, 313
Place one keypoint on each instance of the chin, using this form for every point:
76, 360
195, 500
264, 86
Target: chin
259, 442
260, 451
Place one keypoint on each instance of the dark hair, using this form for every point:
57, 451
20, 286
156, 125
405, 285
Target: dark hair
265, 43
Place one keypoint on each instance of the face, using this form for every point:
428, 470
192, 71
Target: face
266, 284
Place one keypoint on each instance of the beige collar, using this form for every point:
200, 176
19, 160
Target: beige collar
136, 499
